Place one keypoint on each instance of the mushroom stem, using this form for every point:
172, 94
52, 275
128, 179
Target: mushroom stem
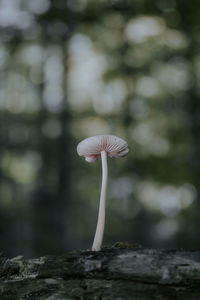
102, 205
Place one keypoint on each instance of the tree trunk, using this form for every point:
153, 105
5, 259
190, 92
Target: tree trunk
119, 272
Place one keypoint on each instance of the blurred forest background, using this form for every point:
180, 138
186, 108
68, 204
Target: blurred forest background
70, 69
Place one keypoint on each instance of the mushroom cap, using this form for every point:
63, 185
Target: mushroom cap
92, 147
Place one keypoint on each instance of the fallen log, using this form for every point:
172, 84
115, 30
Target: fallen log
119, 272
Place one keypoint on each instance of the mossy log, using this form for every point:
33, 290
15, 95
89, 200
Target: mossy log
113, 273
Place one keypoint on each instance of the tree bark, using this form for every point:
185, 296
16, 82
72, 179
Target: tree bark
119, 272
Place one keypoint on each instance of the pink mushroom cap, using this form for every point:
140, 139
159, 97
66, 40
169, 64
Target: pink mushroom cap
92, 147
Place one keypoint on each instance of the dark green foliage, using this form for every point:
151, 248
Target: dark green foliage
76, 68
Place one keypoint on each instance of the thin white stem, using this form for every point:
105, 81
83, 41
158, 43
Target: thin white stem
102, 205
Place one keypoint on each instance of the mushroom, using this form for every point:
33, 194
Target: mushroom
92, 148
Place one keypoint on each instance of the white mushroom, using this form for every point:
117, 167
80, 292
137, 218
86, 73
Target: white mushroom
92, 148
